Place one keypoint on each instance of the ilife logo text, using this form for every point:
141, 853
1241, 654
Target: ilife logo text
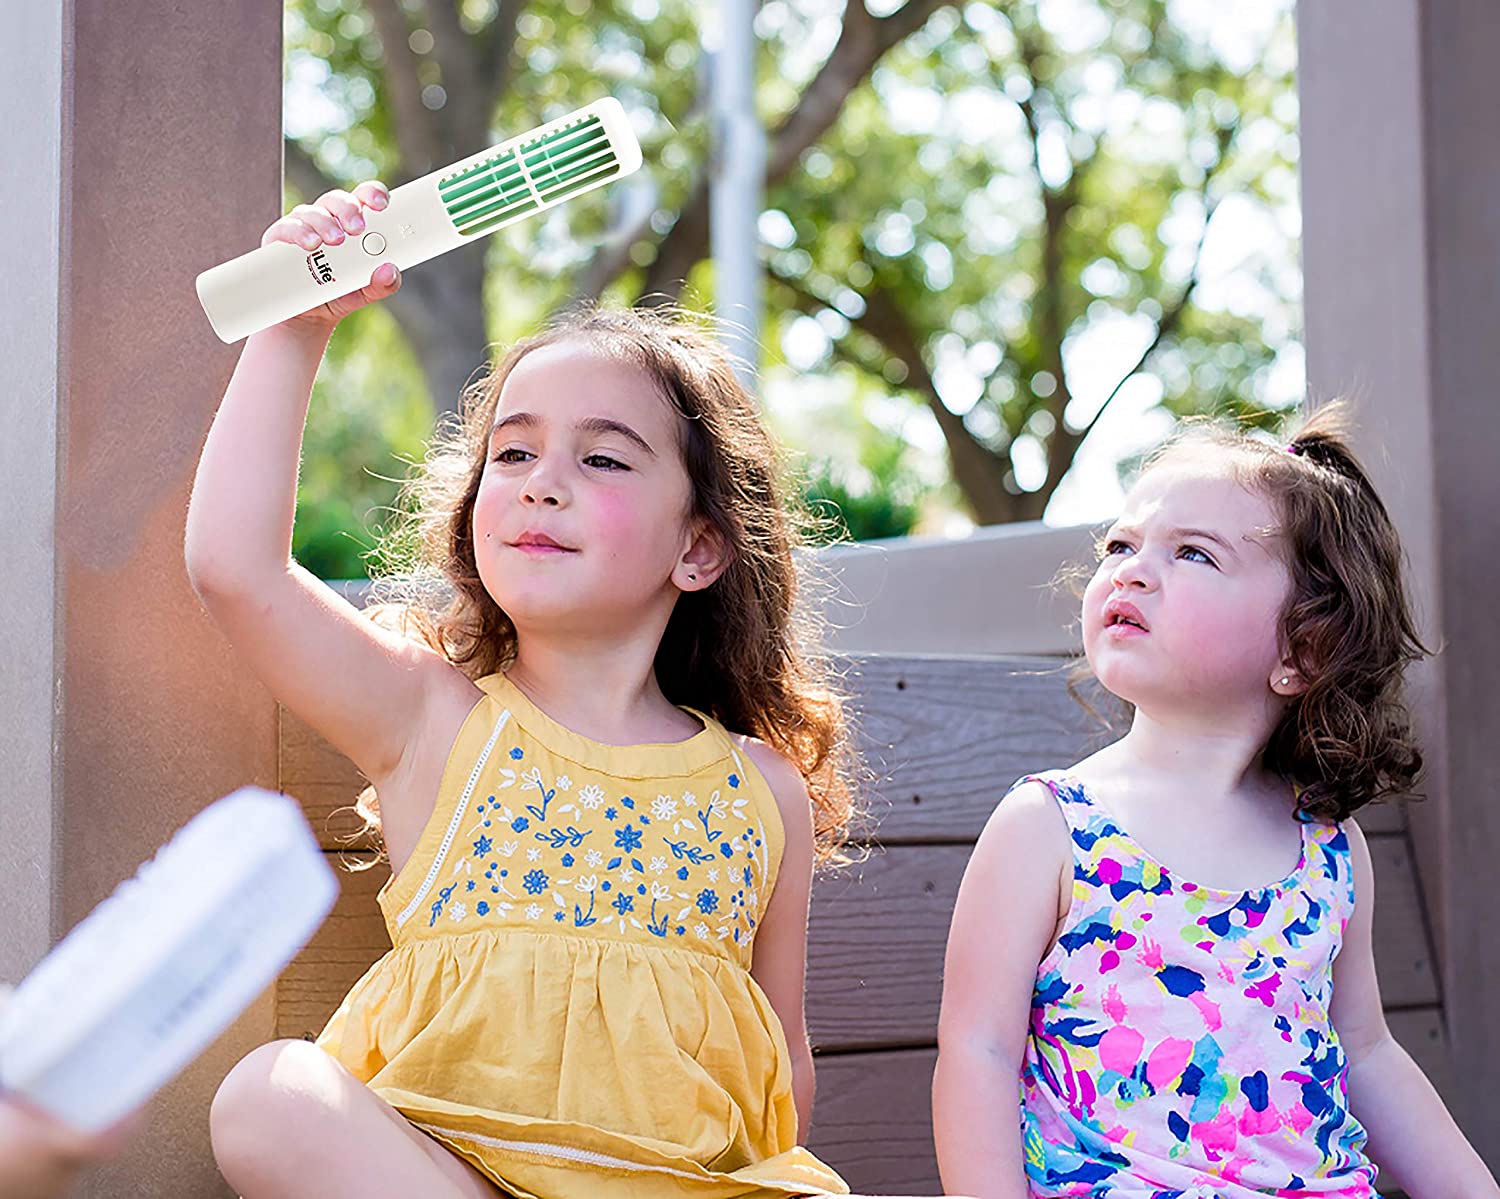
318, 268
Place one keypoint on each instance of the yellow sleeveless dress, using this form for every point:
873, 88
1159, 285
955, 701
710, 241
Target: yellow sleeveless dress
568, 1004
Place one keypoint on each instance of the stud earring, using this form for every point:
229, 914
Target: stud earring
693, 577
1285, 680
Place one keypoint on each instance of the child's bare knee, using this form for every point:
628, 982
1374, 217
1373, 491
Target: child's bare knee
276, 1095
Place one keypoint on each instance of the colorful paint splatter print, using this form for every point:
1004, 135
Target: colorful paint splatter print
1180, 1043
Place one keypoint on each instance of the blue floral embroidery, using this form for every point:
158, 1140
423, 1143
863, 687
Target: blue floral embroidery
557, 837
701, 833
437, 908
712, 834
681, 850
534, 780
582, 919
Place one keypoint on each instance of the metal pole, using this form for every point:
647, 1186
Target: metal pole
737, 185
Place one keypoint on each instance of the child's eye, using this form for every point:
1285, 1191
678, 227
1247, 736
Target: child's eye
1108, 549
604, 462
1191, 553
511, 455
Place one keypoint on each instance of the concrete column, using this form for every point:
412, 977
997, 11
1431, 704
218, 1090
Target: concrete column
30, 193
1401, 234
143, 146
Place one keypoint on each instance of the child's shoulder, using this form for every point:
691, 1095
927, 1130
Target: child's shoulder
779, 772
1028, 818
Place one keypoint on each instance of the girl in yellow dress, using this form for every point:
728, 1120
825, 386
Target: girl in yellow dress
599, 895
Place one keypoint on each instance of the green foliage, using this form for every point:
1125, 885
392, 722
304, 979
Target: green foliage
1002, 217
865, 479
369, 419
1022, 192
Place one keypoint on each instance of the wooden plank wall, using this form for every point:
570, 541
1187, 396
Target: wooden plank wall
945, 736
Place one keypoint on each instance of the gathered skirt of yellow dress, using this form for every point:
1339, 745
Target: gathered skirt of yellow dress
568, 1004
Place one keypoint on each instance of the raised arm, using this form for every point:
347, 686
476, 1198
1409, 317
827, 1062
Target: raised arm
361, 687
1412, 1135
1003, 925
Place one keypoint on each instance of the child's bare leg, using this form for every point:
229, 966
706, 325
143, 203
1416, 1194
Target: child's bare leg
290, 1121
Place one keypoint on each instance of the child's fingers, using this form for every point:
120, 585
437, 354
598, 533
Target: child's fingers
373, 194
295, 230
320, 221
301, 227
386, 281
336, 215
344, 209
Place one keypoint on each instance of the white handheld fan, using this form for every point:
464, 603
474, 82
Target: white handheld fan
547, 166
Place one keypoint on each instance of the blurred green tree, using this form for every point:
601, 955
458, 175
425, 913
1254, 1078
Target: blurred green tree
964, 199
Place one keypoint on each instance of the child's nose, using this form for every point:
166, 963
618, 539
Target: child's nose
1132, 572
544, 487
540, 495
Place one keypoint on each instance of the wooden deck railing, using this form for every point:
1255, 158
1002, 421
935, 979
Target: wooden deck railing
946, 736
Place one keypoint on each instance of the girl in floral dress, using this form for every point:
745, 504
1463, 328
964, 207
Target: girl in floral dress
1159, 980
604, 771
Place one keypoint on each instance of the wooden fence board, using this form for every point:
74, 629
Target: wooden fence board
944, 738
875, 951
1403, 955
873, 1120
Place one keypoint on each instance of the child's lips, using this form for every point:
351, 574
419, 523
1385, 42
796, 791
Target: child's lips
1123, 620
540, 545
535, 549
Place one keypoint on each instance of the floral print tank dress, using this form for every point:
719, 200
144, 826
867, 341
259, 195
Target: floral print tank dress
1180, 1044
568, 1002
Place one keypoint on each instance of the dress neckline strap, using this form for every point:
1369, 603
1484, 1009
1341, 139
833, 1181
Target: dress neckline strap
1082, 809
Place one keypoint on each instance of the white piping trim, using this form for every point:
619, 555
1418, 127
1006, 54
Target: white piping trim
589, 1157
463, 802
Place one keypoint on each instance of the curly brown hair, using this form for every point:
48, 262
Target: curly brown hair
745, 650
1347, 624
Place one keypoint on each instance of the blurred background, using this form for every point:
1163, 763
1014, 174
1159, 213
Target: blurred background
1002, 247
